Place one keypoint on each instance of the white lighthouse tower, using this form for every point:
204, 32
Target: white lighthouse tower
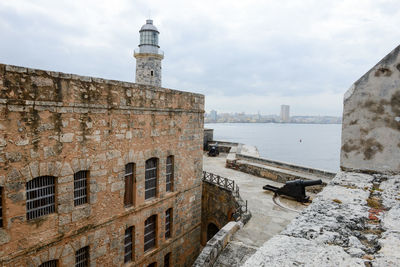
148, 56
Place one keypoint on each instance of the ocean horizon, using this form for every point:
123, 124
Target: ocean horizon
311, 145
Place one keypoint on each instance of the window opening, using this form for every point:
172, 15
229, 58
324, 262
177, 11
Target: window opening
129, 184
52, 263
129, 233
168, 222
82, 257
1, 206
40, 199
150, 233
170, 173
80, 187
167, 260
150, 178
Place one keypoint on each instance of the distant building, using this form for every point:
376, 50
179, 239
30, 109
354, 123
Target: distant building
213, 115
285, 109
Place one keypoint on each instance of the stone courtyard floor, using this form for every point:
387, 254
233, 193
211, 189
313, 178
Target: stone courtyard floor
267, 220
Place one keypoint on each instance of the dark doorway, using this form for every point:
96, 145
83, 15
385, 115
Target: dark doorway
212, 229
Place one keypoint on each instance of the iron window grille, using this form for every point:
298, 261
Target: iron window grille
170, 173
168, 223
80, 187
52, 263
151, 178
167, 260
150, 233
1, 206
40, 197
129, 184
82, 257
129, 233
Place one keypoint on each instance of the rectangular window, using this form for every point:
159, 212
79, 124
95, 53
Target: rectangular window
82, 257
40, 199
150, 233
129, 234
170, 173
167, 260
129, 184
1, 206
151, 178
80, 187
168, 223
52, 263
153, 264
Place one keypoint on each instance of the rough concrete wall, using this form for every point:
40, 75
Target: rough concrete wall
217, 207
371, 119
145, 64
57, 124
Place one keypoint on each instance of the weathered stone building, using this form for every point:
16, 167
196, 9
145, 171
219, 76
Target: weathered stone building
97, 172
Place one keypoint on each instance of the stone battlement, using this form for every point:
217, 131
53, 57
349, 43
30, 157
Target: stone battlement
25, 86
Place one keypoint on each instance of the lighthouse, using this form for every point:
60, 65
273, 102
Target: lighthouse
148, 56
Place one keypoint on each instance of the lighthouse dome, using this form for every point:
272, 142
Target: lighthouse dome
149, 26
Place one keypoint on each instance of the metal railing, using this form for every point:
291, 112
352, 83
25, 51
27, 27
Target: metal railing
228, 184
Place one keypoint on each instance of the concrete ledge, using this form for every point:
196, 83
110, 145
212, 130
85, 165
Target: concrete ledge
285, 165
216, 244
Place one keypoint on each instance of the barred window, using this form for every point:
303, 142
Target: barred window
168, 223
82, 257
151, 178
1, 206
80, 187
52, 263
40, 199
150, 232
129, 241
170, 173
129, 196
167, 260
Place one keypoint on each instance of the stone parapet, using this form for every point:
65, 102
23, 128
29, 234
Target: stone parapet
25, 86
216, 245
352, 222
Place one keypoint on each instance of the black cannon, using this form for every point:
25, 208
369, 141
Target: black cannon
214, 151
295, 189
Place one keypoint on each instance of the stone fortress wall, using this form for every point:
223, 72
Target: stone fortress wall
57, 124
355, 220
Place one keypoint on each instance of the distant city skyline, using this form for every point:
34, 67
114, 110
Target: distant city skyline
246, 55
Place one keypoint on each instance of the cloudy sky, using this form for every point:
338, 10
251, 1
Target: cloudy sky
244, 56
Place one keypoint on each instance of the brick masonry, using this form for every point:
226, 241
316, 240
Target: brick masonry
57, 124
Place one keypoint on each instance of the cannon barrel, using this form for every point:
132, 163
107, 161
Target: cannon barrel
312, 182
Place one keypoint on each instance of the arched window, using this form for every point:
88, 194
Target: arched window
130, 186
129, 244
40, 199
82, 257
81, 187
151, 178
150, 226
169, 174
